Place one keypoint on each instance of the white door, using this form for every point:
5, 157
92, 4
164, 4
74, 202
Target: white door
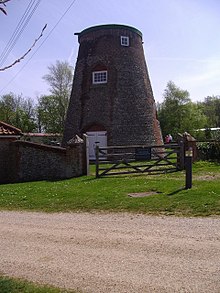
96, 137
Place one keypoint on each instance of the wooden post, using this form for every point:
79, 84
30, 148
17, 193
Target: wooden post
188, 167
97, 160
180, 153
86, 148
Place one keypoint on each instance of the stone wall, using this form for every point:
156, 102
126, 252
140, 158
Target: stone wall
31, 161
6, 159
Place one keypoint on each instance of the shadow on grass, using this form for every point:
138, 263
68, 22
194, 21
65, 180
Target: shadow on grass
176, 191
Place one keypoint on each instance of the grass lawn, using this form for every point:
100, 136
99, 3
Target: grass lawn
10, 285
111, 193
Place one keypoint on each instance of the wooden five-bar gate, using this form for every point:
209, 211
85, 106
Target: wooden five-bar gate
114, 160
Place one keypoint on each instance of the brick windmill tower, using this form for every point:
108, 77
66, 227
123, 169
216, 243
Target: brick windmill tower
112, 99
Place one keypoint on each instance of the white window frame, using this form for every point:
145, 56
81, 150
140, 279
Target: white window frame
124, 41
99, 77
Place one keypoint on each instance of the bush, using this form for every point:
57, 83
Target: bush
209, 151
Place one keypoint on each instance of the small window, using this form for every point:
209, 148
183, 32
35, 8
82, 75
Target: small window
124, 41
99, 77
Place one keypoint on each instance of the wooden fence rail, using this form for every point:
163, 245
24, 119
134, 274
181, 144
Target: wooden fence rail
115, 160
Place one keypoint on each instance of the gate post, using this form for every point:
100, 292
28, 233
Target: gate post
86, 149
188, 167
181, 153
97, 160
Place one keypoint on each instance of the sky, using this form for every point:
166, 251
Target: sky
181, 41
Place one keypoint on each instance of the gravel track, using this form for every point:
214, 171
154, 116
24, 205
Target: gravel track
112, 252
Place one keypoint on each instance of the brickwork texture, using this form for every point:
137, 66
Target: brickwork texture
124, 106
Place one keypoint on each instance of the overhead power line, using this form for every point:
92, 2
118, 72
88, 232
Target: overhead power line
49, 34
25, 54
31, 8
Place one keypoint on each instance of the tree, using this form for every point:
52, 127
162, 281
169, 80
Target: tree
18, 111
16, 35
26, 53
177, 113
2, 2
211, 108
48, 115
55, 106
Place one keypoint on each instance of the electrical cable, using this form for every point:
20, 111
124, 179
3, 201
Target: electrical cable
19, 30
16, 30
20, 27
15, 38
51, 31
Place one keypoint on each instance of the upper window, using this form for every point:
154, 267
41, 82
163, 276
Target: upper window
124, 41
99, 77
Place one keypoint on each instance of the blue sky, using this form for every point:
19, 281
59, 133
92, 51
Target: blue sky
181, 41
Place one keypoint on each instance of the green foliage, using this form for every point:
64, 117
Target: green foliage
18, 111
59, 78
51, 110
206, 134
177, 113
111, 193
50, 119
215, 134
211, 108
9, 285
209, 151
49, 114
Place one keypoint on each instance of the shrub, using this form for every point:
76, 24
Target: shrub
209, 151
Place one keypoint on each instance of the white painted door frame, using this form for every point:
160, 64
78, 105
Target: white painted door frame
96, 137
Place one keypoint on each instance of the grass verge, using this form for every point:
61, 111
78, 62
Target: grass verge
11, 285
111, 194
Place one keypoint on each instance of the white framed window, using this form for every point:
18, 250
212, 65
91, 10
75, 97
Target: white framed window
99, 77
124, 41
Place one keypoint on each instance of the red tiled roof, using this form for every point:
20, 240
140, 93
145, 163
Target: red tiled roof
37, 134
7, 129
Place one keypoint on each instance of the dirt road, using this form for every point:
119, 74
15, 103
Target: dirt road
112, 252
